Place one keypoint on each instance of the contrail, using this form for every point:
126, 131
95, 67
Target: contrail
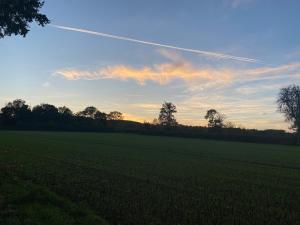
207, 53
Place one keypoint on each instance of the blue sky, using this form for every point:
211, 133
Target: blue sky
78, 69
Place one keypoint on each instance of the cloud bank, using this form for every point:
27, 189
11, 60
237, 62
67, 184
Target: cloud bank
164, 73
179, 68
161, 73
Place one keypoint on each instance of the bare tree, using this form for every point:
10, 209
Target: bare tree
289, 104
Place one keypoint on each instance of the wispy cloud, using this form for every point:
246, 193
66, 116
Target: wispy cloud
162, 74
182, 69
275, 69
206, 53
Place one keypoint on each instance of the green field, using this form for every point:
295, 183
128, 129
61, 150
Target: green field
94, 178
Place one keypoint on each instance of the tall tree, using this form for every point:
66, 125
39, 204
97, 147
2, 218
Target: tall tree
166, 115
215, 119
15, 16
289, 104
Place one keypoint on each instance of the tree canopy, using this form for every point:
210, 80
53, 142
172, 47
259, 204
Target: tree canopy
115, 115
15, 16
289, 104
166, 115
15, 111
215, 119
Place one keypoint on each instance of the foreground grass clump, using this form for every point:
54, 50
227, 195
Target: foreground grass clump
22, 202
78, 178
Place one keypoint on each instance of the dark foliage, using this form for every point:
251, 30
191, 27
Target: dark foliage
215, 119
166, 115
289, 104
18, 115
115, 115
45, 112
15, 112
15, 16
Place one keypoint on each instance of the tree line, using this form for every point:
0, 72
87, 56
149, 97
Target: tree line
18, 115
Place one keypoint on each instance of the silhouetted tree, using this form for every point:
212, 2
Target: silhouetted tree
65, 111
15, 16
215, 119
166, 115
100, 116
289, 104
15, 111
115, 115
45, 112
88, 112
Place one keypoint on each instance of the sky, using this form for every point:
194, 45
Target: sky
132, 55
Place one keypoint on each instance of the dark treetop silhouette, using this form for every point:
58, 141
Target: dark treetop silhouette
166, 115
289, 104
215, 119
15, 16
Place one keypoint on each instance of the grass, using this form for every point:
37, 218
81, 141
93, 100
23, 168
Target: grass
80, 178
25, 203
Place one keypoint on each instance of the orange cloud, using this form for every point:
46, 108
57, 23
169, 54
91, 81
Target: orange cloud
162, 74
180, 68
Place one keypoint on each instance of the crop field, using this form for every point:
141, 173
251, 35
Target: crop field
125, 179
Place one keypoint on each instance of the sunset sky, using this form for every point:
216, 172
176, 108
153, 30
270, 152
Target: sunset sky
231, 55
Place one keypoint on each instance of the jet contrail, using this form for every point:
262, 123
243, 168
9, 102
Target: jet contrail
207, 53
